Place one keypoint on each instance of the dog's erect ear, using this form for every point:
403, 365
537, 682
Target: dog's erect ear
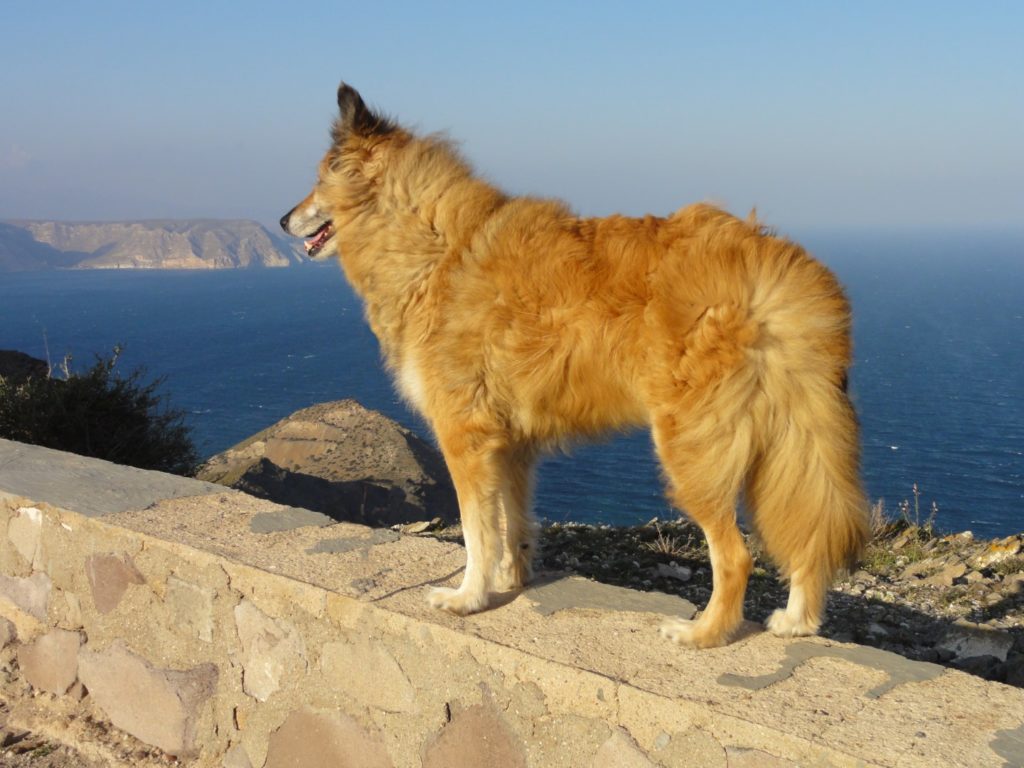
355, 117
350, 104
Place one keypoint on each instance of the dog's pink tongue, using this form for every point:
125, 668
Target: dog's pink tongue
318, 239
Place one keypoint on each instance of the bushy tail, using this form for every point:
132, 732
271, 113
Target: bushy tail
804, 488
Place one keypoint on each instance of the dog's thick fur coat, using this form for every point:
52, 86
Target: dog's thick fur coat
514, 326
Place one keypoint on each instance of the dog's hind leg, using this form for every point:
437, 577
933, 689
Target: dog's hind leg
478, 471
518, 525
705, 465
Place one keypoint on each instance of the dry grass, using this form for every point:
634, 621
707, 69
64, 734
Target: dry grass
668, 544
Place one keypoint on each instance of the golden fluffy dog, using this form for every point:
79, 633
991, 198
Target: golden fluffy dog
513, 325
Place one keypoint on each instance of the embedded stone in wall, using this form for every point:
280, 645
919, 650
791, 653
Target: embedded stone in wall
621, 751
192, 607
477, 736
50, 663
326, 740
72, 610
269, 649
31, 594
110, 576
236, 757
691, 747
158, 706
369, 673
24, 531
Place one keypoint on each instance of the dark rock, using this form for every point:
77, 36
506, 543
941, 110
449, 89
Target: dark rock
1015, 670
357, 501
16, 367
11, 737
345, 461
988, 667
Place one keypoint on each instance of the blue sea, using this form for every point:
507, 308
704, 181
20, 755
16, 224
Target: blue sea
938, 381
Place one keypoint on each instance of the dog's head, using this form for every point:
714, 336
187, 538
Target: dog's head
354, 132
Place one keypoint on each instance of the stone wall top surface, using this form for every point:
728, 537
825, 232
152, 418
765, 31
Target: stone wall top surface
90, 487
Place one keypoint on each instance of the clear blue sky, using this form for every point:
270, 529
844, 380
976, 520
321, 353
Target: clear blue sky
866, 115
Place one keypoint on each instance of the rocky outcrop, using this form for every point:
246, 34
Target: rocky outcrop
160, 244
16, 367
344, 460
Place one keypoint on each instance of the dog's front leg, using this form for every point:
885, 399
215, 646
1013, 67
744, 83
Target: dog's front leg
518, 526
477, 470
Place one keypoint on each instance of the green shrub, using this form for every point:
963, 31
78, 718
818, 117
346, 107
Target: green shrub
99, 413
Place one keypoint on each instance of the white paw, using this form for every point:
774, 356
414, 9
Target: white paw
456, 601
782, 624
701, 633
680, 631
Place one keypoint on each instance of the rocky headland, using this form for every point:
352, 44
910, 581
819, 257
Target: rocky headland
339, 458
156, 244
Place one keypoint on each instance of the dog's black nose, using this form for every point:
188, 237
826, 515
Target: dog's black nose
284, 220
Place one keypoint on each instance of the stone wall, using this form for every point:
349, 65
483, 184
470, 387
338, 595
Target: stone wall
230, 631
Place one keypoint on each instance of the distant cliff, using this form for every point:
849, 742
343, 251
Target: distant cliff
170, 244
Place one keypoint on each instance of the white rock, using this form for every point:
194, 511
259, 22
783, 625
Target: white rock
24, 531
31, 594
969, 641
270, 649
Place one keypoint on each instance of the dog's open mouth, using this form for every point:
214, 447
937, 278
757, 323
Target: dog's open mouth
315, 243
